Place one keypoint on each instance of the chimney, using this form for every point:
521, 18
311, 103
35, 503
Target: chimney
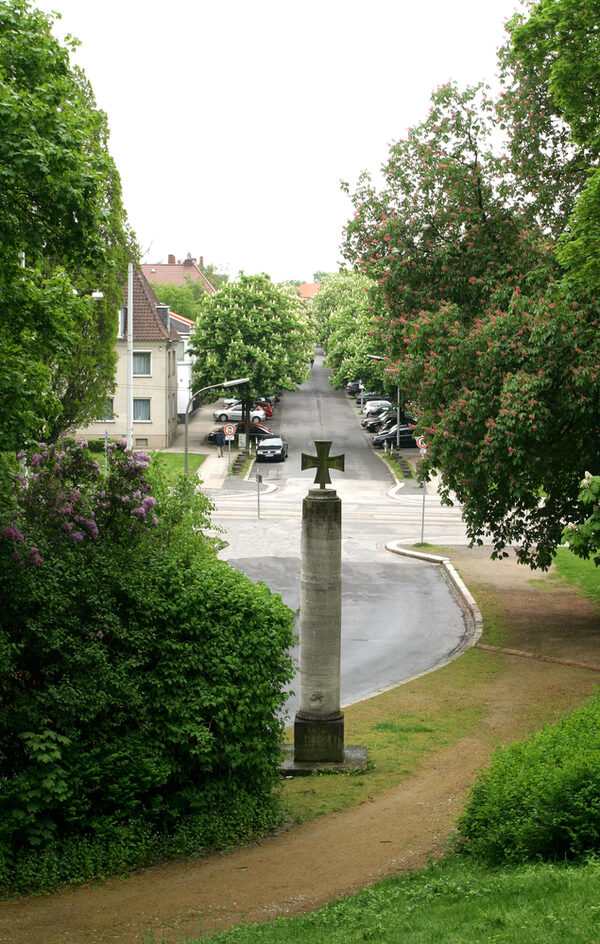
171, 260
201, 262
164, 313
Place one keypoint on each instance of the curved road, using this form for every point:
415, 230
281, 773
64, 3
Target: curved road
399, 616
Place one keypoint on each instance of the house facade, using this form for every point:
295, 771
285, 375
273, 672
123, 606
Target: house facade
155, 357
185, 361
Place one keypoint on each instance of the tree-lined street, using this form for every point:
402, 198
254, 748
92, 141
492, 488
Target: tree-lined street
399, 617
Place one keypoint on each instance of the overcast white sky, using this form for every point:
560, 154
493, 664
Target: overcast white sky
233, 121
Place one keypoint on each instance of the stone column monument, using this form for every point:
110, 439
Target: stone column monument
319, 723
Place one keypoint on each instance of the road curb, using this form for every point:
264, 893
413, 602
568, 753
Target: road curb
465, 596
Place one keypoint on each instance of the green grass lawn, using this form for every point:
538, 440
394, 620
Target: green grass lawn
174, 462
452, 902
581, 573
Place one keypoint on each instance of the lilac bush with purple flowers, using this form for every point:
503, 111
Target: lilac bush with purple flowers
134, 703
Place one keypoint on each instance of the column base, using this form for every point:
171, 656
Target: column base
318, 741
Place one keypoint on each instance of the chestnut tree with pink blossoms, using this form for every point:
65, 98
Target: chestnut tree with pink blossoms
491, 332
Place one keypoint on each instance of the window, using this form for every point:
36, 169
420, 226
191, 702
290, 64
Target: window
141, 363
141, 409
122, 322
106, 414
141, 442
180, 351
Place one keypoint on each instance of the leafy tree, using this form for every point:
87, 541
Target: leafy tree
584, 538
183, 299
499, 355
216, 278
252, 328
343, 312
62, 231
557, 48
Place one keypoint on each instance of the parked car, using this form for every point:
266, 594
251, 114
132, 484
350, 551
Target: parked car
257, 415
381, 421
372, 407
407, 439
365, 395
266, 406
256, 433
233, 403
353, 387
275, 449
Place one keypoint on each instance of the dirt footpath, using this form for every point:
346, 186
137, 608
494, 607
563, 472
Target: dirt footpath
554, 660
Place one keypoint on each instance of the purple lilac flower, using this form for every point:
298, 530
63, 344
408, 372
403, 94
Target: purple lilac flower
11, 532
139, 513
148, 502
77, 536
37, 560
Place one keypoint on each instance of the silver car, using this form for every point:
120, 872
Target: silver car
234, 413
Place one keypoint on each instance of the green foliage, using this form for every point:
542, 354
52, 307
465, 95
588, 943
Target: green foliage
62, 235
540, 799
480, 327
252, 328
343, 312
584, 538
140, 677
182, 299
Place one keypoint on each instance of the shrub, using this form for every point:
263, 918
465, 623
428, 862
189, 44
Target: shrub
540, 799
141, 678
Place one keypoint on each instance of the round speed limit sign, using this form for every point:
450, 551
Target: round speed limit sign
421, 442
229, 429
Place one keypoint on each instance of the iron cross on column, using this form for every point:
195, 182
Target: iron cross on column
322, 462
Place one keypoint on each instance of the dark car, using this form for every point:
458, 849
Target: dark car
367, 395
353, 387
390, 437
257, 431
373, 424
275, 448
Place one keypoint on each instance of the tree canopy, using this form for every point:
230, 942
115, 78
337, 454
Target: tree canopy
481, 325
343, 314
63, 234
252, 328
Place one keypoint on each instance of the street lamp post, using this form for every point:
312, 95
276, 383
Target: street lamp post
217, 386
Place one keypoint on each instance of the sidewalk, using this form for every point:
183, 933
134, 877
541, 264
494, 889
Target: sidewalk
214, 470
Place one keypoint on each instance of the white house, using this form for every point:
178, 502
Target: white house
155, 367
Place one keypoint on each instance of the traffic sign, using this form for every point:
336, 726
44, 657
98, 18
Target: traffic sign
421, 442
229, 429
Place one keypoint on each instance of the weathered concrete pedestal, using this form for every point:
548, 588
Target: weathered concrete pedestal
319, 722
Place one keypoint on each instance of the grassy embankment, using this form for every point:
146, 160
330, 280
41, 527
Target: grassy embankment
454, 901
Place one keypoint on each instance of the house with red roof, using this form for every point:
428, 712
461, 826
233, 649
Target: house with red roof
308, 290
155, 356
178, 273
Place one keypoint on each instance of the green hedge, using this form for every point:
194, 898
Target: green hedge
540, 799
141, 678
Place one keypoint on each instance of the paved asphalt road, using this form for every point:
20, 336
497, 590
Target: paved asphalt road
399, 616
